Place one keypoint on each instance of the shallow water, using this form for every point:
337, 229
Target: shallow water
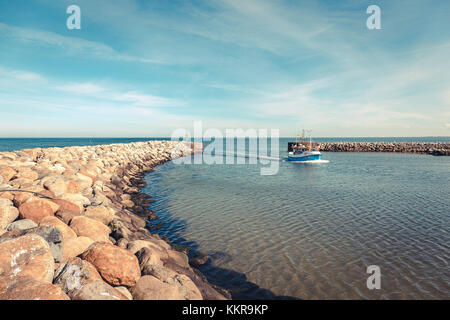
310, 231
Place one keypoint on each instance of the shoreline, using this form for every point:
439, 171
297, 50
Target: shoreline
80, 213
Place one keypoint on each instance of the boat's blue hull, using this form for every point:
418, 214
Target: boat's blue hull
305, 158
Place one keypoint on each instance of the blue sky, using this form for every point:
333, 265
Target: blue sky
146, 68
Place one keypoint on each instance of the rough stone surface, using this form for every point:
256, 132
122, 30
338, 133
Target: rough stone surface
7, 173
35, 210
116, 265
66, 215
20, 225
151, 288
100, 213
26, 256
65, 205
98, 290
73, 274
91, 228
26, 288
7, 215
66, 232
75, 247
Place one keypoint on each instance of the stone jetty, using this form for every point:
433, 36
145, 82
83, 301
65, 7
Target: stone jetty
73, 227
431, 148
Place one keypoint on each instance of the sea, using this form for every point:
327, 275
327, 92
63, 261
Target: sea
310, 231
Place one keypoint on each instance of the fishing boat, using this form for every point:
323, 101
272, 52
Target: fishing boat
304, 152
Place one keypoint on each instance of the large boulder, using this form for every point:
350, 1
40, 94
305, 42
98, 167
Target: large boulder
116, 265
66, 215
100, 213
77, 199
174, 287
75, 273
52, 204
56, 185
186, 287
27, 173
35, 210
66, 232
75, 247
150, 288
73, 187
148, 257
98, 290
65, 205
21, 225
48, 233
26, 288
91, 228
8, 213
178, 258
26, 256
7, 173
136, 245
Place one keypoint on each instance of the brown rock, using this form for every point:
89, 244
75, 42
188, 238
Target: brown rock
56, 185
67, 205
52, 204
73, 187
26, 256
26, 288
98, 290
116, 265
35, 210
91, 228
179, 258
148, 257
33, 153
7, 195
100, 213
75, 247
66, 232
136, 245
7, 173
27, 173
7, 215
77, 199
84, 173
151, 288
75, 273
66, 215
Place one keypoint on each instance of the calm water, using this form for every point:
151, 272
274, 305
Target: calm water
10, 144
310, 231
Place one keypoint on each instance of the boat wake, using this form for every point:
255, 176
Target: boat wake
308, 161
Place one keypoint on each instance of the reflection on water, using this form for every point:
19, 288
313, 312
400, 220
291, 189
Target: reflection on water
311, 230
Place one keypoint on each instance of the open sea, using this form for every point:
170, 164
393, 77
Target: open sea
311, 230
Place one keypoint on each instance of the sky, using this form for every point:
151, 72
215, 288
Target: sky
147, 68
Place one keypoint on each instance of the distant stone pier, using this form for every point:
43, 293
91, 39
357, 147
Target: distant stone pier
432, 148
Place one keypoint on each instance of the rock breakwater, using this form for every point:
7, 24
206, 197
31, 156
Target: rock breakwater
432, 148
73, 226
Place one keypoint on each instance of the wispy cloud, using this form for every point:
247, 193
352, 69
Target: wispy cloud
69, 45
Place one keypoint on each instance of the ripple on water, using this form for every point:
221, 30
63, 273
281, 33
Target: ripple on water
311, 231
